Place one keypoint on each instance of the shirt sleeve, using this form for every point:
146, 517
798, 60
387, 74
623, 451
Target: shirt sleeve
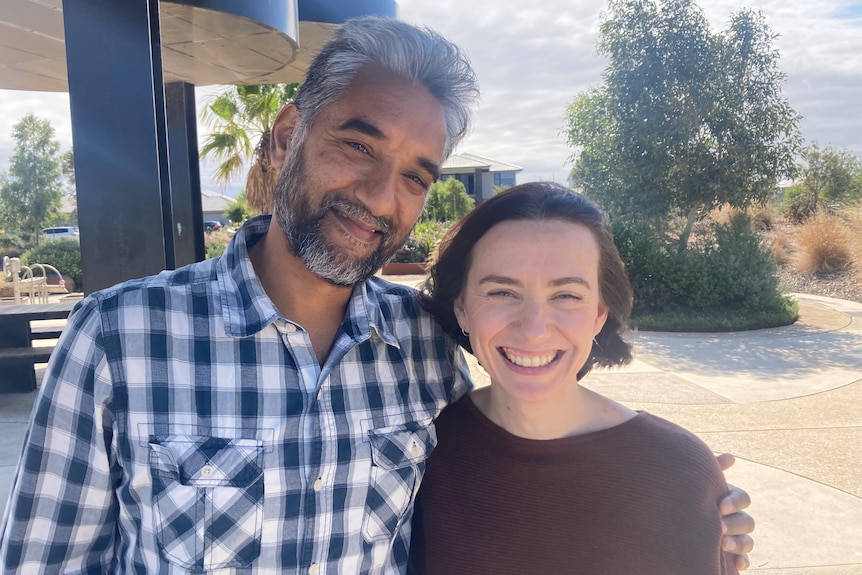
462, 382
62, 509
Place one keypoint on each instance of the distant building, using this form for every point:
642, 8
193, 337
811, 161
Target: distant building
479, 175
213, 206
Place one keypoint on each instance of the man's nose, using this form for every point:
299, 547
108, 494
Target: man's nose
379, 189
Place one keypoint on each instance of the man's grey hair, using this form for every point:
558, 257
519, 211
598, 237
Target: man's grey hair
418, 54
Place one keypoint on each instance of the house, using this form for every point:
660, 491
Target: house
479, 175
213, 205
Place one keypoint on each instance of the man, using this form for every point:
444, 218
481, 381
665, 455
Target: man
269, 411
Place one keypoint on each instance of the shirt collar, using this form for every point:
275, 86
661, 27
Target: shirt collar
247, 309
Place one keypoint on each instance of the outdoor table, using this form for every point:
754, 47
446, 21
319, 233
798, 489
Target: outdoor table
17, 372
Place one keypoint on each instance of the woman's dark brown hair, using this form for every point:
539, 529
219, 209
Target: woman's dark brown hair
534, 201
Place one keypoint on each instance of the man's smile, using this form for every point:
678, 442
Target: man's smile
363, 231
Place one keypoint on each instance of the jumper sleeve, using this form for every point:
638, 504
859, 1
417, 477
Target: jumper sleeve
61, 513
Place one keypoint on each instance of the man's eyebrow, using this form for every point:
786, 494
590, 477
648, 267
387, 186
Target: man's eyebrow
363, 127
430, 167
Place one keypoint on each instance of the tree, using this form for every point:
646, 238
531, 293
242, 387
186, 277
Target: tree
238, 211
240, 120
830, 175
67, 166
31, 190
686, 120
447, 200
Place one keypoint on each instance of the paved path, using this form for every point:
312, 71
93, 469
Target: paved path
786, 401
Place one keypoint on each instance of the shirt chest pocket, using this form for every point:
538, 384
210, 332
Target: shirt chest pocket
207, 500
398, 457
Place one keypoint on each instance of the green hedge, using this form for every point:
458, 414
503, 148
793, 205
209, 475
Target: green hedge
12, 245
728, 270
63, 253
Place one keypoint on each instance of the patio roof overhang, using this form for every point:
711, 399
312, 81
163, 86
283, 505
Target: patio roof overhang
203, 42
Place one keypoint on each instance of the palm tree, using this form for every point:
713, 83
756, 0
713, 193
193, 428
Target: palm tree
239, 121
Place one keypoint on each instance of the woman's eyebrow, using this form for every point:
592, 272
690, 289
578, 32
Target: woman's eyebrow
498, 279
570, 280
505, 280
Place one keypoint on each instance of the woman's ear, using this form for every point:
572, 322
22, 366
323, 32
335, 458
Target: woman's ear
601, 318
461, 314
282, 134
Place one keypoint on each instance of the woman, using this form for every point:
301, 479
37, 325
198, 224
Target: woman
535, 473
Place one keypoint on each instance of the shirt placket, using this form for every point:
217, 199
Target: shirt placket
313, 513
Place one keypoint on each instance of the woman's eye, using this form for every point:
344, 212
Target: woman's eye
569, 297
501, 293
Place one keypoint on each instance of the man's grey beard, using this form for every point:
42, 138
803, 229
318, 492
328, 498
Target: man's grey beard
302, 228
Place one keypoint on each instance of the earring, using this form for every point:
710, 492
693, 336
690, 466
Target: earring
466, 334
597, 344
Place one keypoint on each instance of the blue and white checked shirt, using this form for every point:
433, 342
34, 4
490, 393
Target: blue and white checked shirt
185, 426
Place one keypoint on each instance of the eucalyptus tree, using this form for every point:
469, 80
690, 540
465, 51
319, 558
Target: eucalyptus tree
686, 120
31, 189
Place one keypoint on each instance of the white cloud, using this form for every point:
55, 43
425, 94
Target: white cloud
531, 59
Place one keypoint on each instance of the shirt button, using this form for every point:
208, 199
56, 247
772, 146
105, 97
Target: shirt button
318, 485
289, 327
207, 470
314, 569
415, 450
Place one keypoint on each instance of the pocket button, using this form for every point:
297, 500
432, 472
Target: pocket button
415, 450
207, 471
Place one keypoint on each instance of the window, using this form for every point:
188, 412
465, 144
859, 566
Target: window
504, 178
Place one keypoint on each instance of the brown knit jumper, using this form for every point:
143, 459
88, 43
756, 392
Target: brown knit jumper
640, 498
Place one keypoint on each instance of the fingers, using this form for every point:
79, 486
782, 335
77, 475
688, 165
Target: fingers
735, 500
737, 544
735, 524
725, 460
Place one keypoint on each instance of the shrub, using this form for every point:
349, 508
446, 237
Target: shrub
742, 270
214, 249
423, 240
824, 245
12, 245
782, 248
447, 201
854, 224
63, 253
728, 268
796, 205
216, 242
238, 210
764, 219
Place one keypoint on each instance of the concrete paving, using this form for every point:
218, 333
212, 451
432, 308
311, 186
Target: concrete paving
787, 402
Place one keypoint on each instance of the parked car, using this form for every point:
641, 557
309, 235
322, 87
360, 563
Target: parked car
61, 232
212, 226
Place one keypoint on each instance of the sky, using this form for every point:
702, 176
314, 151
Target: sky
532, 58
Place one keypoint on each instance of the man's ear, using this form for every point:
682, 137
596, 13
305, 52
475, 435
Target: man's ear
282, 133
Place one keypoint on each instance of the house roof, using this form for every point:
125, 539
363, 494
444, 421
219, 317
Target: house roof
466, 161
213, 201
